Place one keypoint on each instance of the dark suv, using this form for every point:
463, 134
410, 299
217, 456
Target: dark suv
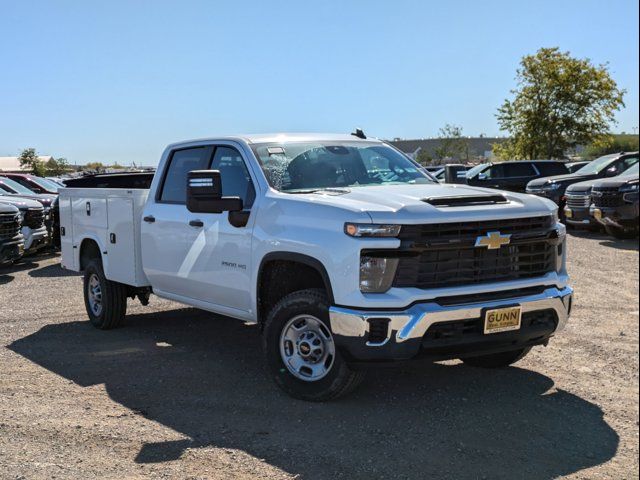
513, 175
608, 166
11, 240
615, 205
578, 202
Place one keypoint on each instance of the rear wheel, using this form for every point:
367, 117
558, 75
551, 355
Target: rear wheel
621, 233
105, 301
497, 360
300, 351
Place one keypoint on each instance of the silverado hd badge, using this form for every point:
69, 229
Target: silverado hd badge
493, 240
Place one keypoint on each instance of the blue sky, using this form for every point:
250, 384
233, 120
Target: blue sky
118, 80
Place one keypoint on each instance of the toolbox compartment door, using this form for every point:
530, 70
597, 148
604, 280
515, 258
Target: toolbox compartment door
120, 241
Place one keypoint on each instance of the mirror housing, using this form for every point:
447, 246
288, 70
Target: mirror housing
204, 193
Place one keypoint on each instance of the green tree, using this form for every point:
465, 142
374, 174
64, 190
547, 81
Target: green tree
611, 144
98, 166
423, 157
30, 161
57, 166
560, 102
452, 143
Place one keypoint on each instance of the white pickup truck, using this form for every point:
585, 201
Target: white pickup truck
340, 248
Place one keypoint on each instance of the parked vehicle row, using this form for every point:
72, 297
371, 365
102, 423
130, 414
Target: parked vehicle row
37, 213
11, 239
568, 185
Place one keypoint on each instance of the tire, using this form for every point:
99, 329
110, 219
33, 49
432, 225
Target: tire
307, 310
497, 360
113, 298
621, 233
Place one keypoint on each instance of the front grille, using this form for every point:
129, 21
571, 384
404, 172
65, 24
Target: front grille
445, 255
578, 201
9, 225
34, 218
461, 329
607, 197
459, 232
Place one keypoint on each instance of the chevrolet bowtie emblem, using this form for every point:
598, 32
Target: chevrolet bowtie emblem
493, 240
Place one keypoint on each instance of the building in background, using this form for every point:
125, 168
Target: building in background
479, 148
12, 164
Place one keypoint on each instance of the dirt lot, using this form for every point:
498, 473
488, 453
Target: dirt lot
179, 393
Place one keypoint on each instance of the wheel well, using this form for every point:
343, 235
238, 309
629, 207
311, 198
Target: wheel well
278, 278
88, 250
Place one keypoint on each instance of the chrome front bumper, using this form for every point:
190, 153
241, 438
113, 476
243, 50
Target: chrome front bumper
412, 324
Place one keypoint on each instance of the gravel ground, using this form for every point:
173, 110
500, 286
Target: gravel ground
179, 393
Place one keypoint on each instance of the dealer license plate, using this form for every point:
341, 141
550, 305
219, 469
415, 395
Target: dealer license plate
502, 319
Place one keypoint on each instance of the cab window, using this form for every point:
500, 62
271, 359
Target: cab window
236, 181
174, 186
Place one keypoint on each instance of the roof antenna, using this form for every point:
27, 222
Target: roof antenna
359, 133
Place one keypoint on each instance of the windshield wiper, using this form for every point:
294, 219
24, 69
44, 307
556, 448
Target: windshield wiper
316, 190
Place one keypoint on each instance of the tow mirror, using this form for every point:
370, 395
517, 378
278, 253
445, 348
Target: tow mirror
204, 193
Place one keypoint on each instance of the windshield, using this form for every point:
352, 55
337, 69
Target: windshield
306, 167
46, 184
12, 186
594, 167
631, 170
476, 170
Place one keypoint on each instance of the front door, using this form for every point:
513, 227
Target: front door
201, 256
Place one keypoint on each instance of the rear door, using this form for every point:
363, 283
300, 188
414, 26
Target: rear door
517, 175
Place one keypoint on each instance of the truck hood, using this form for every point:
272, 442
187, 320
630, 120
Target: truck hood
20, 202
6, 208
45, 199
617, 181
582, 186
564, 179
407, 203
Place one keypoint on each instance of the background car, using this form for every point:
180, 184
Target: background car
615, 205
578, 202
555, 187
513, 175
34, 183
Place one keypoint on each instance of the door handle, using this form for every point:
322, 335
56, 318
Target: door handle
149, 219
196, 223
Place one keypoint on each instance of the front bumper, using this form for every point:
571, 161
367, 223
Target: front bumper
625, 216
580, 217
35, 239
409, 331
11, 250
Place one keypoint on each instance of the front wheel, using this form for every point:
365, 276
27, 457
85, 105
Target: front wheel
105, 301
497, 360
300, 351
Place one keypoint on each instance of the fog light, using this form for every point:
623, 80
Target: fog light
377, 273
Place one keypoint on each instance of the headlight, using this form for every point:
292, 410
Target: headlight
551, 186
371, 230
376, 273
629, 188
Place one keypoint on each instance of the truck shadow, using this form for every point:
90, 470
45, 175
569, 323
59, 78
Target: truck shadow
202, 375
606, 240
